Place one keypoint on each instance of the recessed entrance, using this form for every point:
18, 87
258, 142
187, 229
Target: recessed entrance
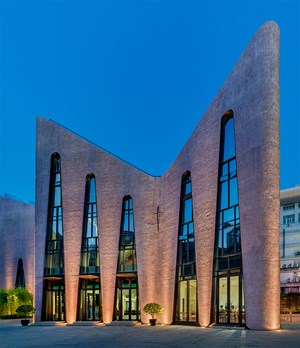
127, 302
89, 303
230, 300
54, 303
186, 306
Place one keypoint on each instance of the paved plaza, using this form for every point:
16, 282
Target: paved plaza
12, 335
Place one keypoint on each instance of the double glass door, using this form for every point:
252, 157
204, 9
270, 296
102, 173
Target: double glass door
127, 304
230, 307
54, 300
89, 300
186, 302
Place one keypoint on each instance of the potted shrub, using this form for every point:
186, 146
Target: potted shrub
153, 309
25, 311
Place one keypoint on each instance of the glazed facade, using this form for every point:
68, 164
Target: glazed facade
290, 240
202, 240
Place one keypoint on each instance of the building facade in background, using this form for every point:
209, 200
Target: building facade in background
17, 244
111, 238
290, 240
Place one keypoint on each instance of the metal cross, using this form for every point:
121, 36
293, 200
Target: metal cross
158, 212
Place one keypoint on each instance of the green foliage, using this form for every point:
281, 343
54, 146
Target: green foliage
23, 295
10, 316
153, 309
25, 310
10, 300
3, 297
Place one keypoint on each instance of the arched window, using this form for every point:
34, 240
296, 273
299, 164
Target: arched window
127, 299
54, 261
127, 253
227, 264
54, 290
89, 248
186, 297
20, 278
89, 300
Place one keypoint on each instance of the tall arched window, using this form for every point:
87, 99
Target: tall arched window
90, 299
127, 254
54, 261
186, 284
127, 304
54, 293
89, 248
20, 278
229, 300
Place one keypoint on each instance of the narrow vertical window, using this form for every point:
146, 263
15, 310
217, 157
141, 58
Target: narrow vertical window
54, 294
20, 278
127, 304
186, 284
229, 306
89, 286
54, 261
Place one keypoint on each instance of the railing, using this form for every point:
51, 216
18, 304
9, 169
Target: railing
290, 266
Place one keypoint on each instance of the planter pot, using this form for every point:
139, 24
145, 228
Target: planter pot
25, 322
152, 322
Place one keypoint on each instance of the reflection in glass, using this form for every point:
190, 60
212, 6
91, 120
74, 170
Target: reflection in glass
223, 304
186, 307
54, 262
89, 300
127, 253
54, 295
127, 303
228, 267
234, 299
89, 263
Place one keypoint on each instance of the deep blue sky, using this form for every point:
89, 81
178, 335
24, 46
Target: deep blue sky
134, 77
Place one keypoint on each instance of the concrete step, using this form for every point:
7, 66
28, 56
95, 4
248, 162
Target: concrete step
49, 323
86, 323
123, 323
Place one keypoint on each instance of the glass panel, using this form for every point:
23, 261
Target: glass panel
192, 300
134, 305
187, 210
243, 303
223, 305
232, 167
126, 224
224, 195
234, 299
57, 196
229, 145
233, 192
191, 250
188, 188
225, 170
125, 304
228, 216
92, 191
128, 262
118, 304
131, 226
220, 244
183, 251
182, 301
90, 305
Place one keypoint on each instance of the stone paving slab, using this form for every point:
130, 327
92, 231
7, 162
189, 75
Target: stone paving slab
12, 335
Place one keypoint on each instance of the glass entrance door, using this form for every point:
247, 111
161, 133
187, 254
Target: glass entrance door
127, 306
89, 300
230, 300
54, 300
186, 306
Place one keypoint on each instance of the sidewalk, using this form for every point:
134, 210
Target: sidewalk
13, 335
